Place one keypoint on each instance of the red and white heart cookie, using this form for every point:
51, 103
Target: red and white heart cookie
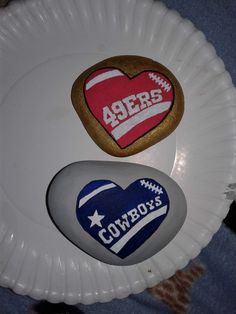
128, 103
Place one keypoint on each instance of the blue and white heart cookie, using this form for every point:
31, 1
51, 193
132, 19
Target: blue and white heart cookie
122, 220
119, 213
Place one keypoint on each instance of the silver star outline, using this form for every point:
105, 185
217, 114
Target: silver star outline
96, 219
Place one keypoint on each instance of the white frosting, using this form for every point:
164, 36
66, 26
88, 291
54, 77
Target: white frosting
102, 77
143, 115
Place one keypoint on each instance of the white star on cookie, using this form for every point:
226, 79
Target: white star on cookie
96, 219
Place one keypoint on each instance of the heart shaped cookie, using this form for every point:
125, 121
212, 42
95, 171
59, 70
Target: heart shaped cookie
128, 103
119, 213
121, 220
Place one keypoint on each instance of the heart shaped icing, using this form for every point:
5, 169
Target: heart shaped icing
122, 220
128, 103
126, 107
117, 212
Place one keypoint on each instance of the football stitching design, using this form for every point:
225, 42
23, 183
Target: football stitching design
166, 86
154, 188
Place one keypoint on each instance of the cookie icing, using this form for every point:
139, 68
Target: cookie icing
122, 219
127, 107
119, 213
128, 103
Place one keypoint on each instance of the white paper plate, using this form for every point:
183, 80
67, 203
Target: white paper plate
44, 46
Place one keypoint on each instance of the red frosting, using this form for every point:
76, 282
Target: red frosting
126, 107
